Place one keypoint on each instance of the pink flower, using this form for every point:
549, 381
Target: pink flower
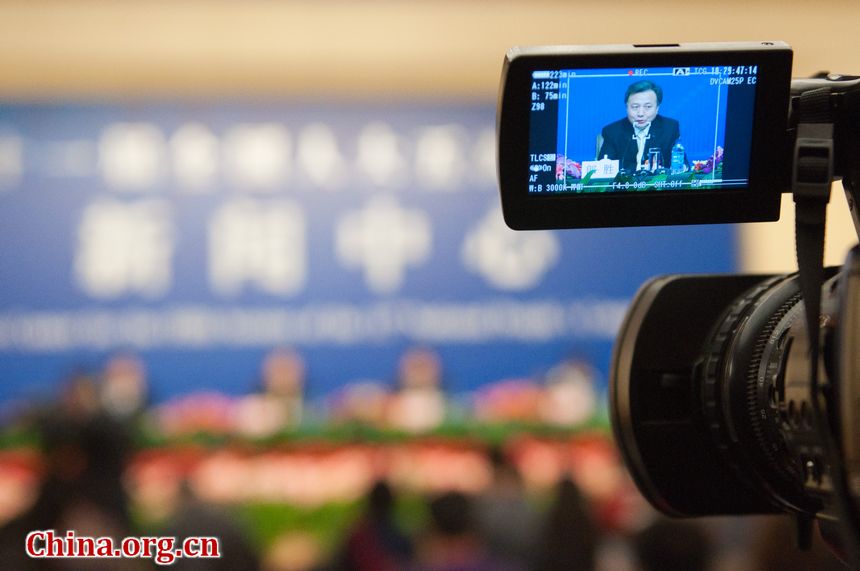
559, 168
508, 400
566, 167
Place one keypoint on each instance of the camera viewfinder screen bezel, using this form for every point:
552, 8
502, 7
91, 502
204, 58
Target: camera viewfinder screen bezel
758, 201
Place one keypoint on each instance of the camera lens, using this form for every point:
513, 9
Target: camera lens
744, 393
709, 395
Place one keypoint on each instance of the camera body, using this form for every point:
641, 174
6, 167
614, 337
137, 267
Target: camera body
725, 396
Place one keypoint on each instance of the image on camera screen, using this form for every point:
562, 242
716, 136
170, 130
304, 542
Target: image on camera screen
641, 130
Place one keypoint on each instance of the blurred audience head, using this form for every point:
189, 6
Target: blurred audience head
570, 536
505, 472
451, 514
380, 500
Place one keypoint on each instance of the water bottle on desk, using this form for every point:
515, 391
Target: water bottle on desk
677, 158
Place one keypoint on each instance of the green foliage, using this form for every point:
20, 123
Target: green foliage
328, 524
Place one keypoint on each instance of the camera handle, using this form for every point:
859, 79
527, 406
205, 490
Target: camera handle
812, 177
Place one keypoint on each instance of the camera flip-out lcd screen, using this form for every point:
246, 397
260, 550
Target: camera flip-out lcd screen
628, 136
641, 130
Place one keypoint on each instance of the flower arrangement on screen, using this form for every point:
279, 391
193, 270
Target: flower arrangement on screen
564, 167
713, 163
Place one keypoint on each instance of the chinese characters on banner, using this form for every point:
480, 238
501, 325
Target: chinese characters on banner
208, 235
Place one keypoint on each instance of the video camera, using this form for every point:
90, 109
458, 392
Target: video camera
733, 394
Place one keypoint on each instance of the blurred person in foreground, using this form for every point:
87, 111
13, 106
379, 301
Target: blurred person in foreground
452, 542
506, 520
375, 543
196, 518
569, 538
85, 453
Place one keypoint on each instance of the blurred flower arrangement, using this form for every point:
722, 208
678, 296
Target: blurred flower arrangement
209, 412
564, 167
712, 164
508, 400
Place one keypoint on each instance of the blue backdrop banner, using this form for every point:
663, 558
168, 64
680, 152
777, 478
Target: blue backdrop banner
202, 236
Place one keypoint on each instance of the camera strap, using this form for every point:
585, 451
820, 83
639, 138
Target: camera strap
812, 178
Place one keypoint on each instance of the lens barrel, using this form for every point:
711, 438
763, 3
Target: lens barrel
698, 395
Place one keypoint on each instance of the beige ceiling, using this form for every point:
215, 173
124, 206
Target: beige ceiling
342, 48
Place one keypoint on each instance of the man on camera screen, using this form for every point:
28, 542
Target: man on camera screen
632, 140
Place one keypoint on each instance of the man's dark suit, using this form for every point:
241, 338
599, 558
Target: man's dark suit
619, 142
